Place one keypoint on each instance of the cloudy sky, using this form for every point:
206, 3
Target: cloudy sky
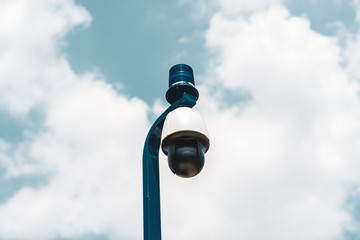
82, 81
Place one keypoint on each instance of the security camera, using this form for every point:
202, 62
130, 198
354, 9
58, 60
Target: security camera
185, 140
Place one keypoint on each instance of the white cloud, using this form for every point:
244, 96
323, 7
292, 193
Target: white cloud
352, 57
89, 145
30, 33
95, 183
280, 166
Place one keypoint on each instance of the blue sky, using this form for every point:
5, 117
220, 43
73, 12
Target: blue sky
82, 81
138, 40
130, 40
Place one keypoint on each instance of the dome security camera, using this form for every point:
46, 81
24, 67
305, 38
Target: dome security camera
185, 140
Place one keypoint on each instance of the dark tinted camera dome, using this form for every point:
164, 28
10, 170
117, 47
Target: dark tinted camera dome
186, 157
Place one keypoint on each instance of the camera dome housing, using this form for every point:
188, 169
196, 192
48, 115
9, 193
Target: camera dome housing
185, 140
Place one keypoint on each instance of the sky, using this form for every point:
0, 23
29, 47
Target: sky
81, 83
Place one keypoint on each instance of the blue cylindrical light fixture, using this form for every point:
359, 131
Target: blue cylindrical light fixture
181, 80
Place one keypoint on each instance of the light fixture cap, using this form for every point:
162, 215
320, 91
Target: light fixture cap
181, 79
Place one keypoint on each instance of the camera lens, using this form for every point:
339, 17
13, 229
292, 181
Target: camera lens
186, 157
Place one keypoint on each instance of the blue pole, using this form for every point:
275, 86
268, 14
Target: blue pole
151, 187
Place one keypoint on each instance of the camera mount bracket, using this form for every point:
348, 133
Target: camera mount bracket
151, 186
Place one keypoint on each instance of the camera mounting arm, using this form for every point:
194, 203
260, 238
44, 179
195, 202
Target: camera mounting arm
151, 187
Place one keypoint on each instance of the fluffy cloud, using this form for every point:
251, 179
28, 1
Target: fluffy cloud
94, 184
84, 149
281, 163
30, 36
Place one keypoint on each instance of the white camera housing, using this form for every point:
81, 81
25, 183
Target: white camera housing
185, 140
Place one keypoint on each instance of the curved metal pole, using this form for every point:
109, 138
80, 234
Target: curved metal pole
151, 187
